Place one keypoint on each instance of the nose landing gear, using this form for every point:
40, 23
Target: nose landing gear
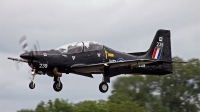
32, 84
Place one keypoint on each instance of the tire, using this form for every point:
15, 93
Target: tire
31, 85
56, 86
103, 87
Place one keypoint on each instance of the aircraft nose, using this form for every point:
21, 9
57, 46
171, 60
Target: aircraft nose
25, 56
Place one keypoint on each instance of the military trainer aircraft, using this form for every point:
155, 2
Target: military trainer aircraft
87, 57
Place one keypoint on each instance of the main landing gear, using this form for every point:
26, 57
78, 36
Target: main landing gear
57, 86
103, 87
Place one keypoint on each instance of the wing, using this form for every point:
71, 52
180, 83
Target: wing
98, 68
18, 60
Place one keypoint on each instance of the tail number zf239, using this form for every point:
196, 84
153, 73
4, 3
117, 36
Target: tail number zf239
42, 65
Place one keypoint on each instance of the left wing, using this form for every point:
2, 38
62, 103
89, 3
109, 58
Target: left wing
98, 68
18, 60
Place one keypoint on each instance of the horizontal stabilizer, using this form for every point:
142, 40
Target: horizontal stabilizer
164, 61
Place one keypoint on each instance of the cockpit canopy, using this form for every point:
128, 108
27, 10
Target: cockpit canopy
77, 47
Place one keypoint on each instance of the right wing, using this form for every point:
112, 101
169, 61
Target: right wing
98, 68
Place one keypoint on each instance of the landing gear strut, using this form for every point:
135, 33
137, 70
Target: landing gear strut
32, 84
57, 86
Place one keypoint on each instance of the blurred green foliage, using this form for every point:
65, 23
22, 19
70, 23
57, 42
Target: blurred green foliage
177, 92
86, 106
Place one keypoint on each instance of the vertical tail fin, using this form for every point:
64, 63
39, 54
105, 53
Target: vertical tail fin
160, 48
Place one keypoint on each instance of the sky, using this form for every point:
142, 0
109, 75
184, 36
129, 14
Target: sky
124, 25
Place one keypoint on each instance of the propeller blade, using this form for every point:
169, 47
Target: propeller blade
36, 47
23, 43
16, 65
29, 71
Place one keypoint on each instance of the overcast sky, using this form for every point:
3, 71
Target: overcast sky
120, 24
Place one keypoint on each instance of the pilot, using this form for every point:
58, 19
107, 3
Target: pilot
70, 49
77, 50
92, 46
98, 47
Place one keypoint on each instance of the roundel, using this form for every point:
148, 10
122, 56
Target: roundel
120, 60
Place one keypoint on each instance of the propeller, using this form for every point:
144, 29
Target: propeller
24, 45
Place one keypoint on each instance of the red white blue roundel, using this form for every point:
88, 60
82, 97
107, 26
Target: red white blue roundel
120, 60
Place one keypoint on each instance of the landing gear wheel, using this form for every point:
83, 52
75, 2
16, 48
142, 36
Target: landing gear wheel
32, 85
103, 87
57, 86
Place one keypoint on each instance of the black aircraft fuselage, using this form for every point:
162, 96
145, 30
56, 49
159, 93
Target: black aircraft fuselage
46, 61
86, 58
